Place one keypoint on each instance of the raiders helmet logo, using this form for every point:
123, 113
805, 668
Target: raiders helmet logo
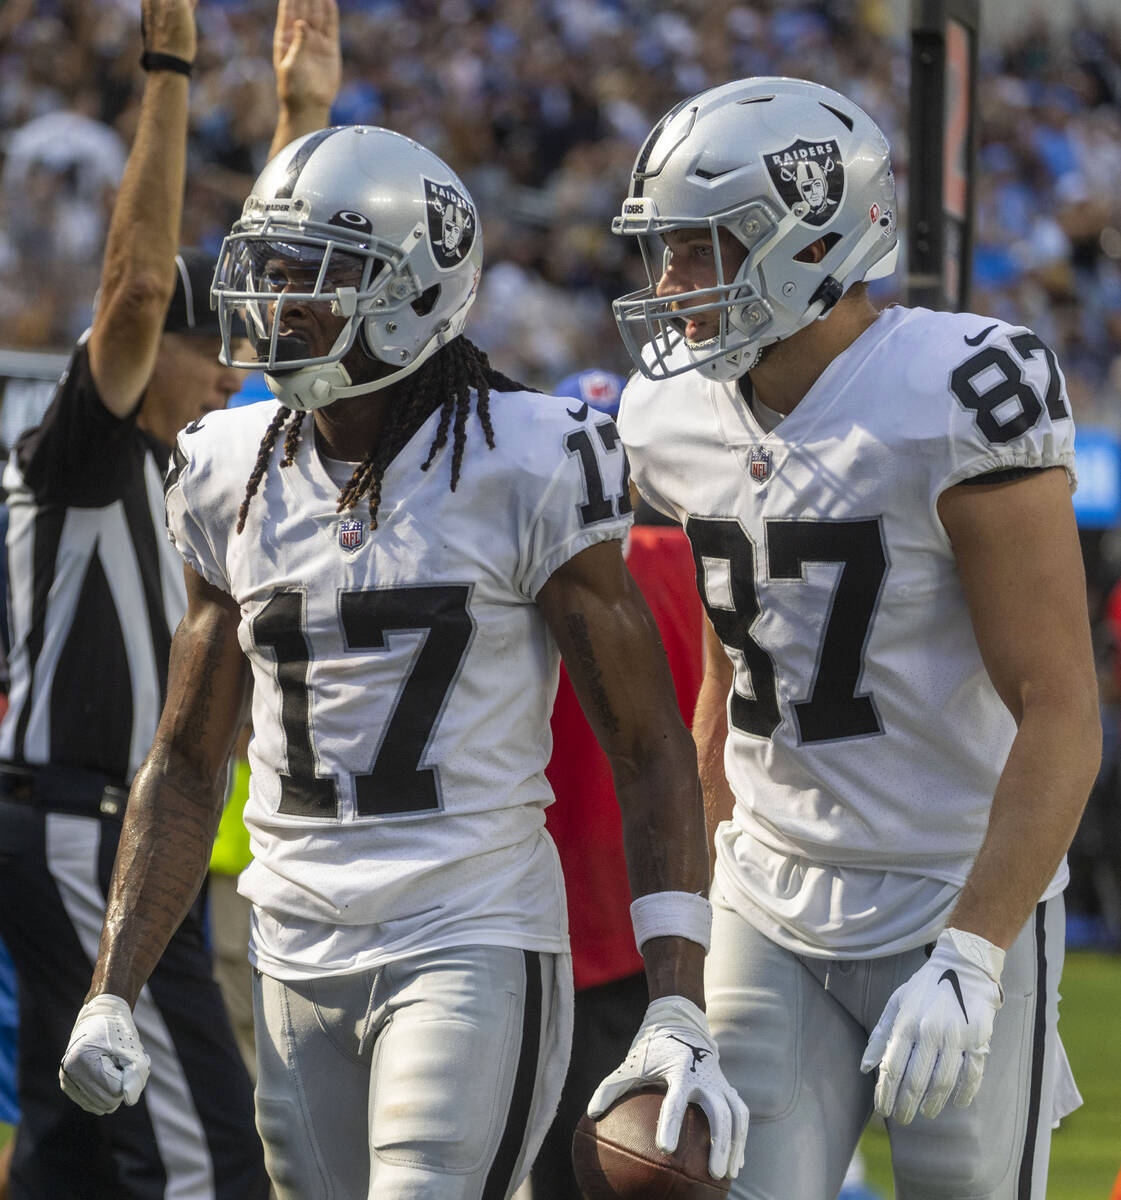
809, 173
451, 223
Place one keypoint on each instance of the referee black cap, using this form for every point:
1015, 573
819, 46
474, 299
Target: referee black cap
190, 310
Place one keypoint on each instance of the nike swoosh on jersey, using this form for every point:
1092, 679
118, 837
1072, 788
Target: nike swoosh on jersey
952, 976
580, 413
978, 338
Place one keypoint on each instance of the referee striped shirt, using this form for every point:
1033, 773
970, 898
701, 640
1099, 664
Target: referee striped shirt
96, 589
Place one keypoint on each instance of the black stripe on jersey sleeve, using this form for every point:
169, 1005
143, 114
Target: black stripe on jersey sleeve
174, 468
1005, 475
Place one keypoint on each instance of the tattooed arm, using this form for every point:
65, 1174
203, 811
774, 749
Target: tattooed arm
615, 659
176, 798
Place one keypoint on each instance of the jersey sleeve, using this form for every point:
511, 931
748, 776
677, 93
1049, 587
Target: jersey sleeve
1008, 409
583, 499
190, 506
651, 415
79, 453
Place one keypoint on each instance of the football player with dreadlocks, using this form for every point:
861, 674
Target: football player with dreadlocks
393, 553
898, 725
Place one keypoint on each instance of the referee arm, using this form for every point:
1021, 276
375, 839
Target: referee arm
176, 798
308, 63
138, 270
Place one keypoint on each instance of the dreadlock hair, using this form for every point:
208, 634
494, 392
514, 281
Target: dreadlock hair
444, 382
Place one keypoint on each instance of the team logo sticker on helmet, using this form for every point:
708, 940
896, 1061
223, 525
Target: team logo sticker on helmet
451, 223
809, 173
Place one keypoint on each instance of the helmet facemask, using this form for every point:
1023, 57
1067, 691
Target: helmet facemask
267, 267
653, 326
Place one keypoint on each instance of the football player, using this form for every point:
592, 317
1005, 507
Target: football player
898, 724
396, 576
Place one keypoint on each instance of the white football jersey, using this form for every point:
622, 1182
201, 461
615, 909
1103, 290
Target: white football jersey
865, 738
403, 676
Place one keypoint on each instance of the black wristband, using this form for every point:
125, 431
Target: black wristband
152, 60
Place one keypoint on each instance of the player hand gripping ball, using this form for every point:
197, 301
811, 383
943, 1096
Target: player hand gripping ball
933, 1039
673, 1047
105, 1062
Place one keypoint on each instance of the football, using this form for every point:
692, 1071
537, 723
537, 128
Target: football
615, 1158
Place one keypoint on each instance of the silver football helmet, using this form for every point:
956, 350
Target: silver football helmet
363, 220
779, 164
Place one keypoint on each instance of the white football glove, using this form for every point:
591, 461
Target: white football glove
674, 1047
105, 1062
932, 1041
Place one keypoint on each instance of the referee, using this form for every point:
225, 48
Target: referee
95, 592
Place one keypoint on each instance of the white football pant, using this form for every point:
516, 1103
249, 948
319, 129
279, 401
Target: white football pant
792, 1029
432, 1077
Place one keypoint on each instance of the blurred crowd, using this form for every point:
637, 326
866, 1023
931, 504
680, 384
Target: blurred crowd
541, 108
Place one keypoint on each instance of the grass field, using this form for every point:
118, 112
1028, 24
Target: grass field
1086, 1148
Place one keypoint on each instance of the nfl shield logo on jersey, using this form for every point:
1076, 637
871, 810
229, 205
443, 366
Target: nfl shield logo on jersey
351, 534
759, 464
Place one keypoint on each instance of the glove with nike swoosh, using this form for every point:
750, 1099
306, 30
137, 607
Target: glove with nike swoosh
933, 1038
674, 1047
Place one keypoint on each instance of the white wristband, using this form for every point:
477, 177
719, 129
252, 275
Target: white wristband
672, 914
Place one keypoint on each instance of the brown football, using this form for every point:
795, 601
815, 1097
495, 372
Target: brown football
615, 1157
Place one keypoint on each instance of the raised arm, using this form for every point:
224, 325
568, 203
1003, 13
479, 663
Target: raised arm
614, 656
308, 64
176, 798
138, 271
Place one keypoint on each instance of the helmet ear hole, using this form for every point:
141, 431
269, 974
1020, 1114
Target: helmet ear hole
817, 249
426, 301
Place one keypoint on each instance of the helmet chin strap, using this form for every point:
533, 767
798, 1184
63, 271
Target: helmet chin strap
308, 388
727, 367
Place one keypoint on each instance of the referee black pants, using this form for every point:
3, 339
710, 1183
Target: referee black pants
192, 1132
